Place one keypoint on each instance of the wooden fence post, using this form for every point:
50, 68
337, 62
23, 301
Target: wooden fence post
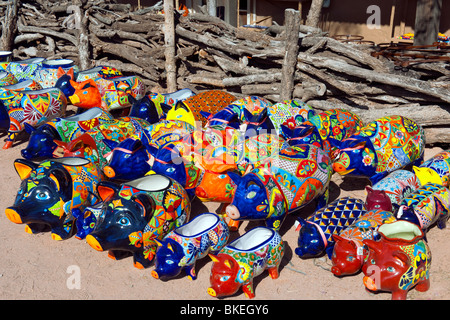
292, 29
9, 25
426, 28
169, 41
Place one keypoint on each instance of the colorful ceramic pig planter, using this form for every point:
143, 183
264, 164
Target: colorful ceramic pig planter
435, 170
33, 107
316, 232
155, 106
25, 69
183, 246
49, 192
86, 219
427, 205
399, 261
280, 185
335, 124
396, 186
136, 213
349, 252
244, 259
132, 158
51, 70
382, 146
95, 143
42, 143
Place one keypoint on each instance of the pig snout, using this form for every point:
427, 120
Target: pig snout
13, 215
233, 212
336, 270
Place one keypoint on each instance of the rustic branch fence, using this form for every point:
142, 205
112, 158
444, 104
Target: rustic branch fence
280, 62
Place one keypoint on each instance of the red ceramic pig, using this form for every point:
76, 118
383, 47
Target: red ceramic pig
349, 252
245, 258
399, 261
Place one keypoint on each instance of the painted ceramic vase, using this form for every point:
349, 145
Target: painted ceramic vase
131, 158
183, 246
243, 260
382, 146
47, 74
399, 261
25, 69
281, 185
7, 79
435, 170
34, 107
210, 101
349, 253
397, 185
136, 213
49, 191
316, 232
427, 205
41, 143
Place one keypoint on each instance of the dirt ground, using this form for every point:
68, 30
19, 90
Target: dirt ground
37, 267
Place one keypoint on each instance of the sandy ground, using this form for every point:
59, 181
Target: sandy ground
37, 267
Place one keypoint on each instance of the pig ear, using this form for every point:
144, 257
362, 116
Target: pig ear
369, 189
334, 142
71, 74
29, 128
147, 204
111, 144
213, 257
158, 242
24, 168
372, 245
106, 190
403, 257
61, 178
205, 114
234, 177
337, 238
287, 132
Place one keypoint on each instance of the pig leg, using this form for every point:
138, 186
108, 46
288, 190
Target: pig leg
64, 231
423, 286
9, 140
142, 262
248, 290
443, 217
190, 272
34, 228
275, 222
273, 272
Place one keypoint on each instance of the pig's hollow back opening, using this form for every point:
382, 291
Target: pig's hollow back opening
252, 239
198, 225
151, 183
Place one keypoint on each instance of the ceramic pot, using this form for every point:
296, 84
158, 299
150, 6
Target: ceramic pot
25, 69
399, 261
5, 58
47, 75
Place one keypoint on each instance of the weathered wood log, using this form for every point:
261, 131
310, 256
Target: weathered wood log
9, 24
423, 87
292, 23
48, 32
169, 43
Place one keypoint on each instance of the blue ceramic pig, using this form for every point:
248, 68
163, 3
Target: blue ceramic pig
41, 143
315, 236
279, 185
337, 124
382, 146
131, 158
429, 204
154, 107
183, 246
136, 213
49, 192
